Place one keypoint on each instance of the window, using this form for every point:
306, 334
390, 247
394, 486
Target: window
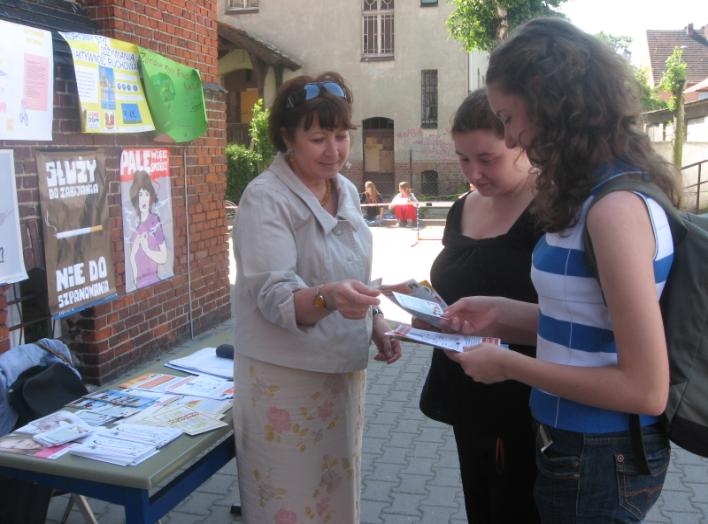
241, 6
429, 98
429, 182
428, 3
378, 29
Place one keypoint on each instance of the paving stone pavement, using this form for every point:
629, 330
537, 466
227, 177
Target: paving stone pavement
409, 463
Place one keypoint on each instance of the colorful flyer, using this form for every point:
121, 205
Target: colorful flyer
26, 82
111, 94
146, 199
12, 262
176, 97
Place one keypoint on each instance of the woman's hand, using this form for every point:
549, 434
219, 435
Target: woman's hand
351, 298
389, 347
471, 315
485, 363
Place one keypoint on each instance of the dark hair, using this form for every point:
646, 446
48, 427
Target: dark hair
475, 114
584, 102
142, 180
332, 112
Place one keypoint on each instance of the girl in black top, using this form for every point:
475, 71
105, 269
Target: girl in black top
372, 214
487, 247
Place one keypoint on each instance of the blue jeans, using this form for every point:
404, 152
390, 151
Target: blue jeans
586, 478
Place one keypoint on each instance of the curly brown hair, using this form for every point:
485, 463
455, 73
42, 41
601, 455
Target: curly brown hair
584, 102
332, 112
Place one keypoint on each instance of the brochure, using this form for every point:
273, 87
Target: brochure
121, 398
178, 416
451, 341
102, 408
104, 446
426, 310
422, 289
24, 444
208, 406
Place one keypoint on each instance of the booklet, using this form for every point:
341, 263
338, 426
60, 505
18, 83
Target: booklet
24, 444
451, 341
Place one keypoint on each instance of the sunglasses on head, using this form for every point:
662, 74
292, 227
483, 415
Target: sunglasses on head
312, 90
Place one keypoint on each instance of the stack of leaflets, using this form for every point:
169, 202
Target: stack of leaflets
124, 445
178, 416
57, 428
204, 361
453, 342
106, 448
196, 386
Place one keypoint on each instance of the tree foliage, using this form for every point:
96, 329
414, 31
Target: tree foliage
674, 82
482, 24
245, 162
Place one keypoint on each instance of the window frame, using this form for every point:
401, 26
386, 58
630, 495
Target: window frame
429, 98
245, 7
428, 3
383, 29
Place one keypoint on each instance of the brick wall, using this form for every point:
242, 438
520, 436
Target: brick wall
110, 337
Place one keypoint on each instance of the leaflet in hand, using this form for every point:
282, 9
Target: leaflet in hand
422, 289
451, 341
426, 310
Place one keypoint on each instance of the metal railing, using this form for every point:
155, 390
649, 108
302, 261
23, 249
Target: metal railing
700, 198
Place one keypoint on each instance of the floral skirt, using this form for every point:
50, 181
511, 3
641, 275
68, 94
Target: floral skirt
298, 443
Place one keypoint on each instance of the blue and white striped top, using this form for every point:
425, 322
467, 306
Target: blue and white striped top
575, 328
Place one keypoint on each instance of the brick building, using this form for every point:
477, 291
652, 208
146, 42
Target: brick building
109, 337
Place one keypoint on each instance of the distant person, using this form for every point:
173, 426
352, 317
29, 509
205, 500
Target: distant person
487, 244
404, 206
573, 105
372, 214
305, 316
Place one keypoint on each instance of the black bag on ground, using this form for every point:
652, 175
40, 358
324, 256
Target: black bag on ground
41, 390
684, 308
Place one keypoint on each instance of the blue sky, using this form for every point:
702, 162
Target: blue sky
634, 17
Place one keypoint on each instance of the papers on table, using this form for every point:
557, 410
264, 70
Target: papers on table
179, 416
206, 362
121, 398
56, 428
196, 386
453, 342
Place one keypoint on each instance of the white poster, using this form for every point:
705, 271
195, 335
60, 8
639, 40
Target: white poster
26, 82
12, 263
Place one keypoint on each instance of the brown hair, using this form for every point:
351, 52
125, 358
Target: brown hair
142, 180
584, 102
369, 183
332, 112
475, 114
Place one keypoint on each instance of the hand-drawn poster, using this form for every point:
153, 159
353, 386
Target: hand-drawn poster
26, 83
12, 263
73, 192
108, 81
146, 198
176, 97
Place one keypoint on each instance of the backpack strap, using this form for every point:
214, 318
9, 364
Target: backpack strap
634, 181
42, 343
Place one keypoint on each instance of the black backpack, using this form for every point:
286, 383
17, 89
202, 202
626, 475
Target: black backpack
684, 307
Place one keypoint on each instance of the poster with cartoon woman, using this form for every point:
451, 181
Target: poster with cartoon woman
146, 199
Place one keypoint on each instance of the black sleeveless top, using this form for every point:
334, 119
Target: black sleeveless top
498, 266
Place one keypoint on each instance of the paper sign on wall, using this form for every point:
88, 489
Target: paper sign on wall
176, 97
12, 263
26, 83
73, 191
108, 81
